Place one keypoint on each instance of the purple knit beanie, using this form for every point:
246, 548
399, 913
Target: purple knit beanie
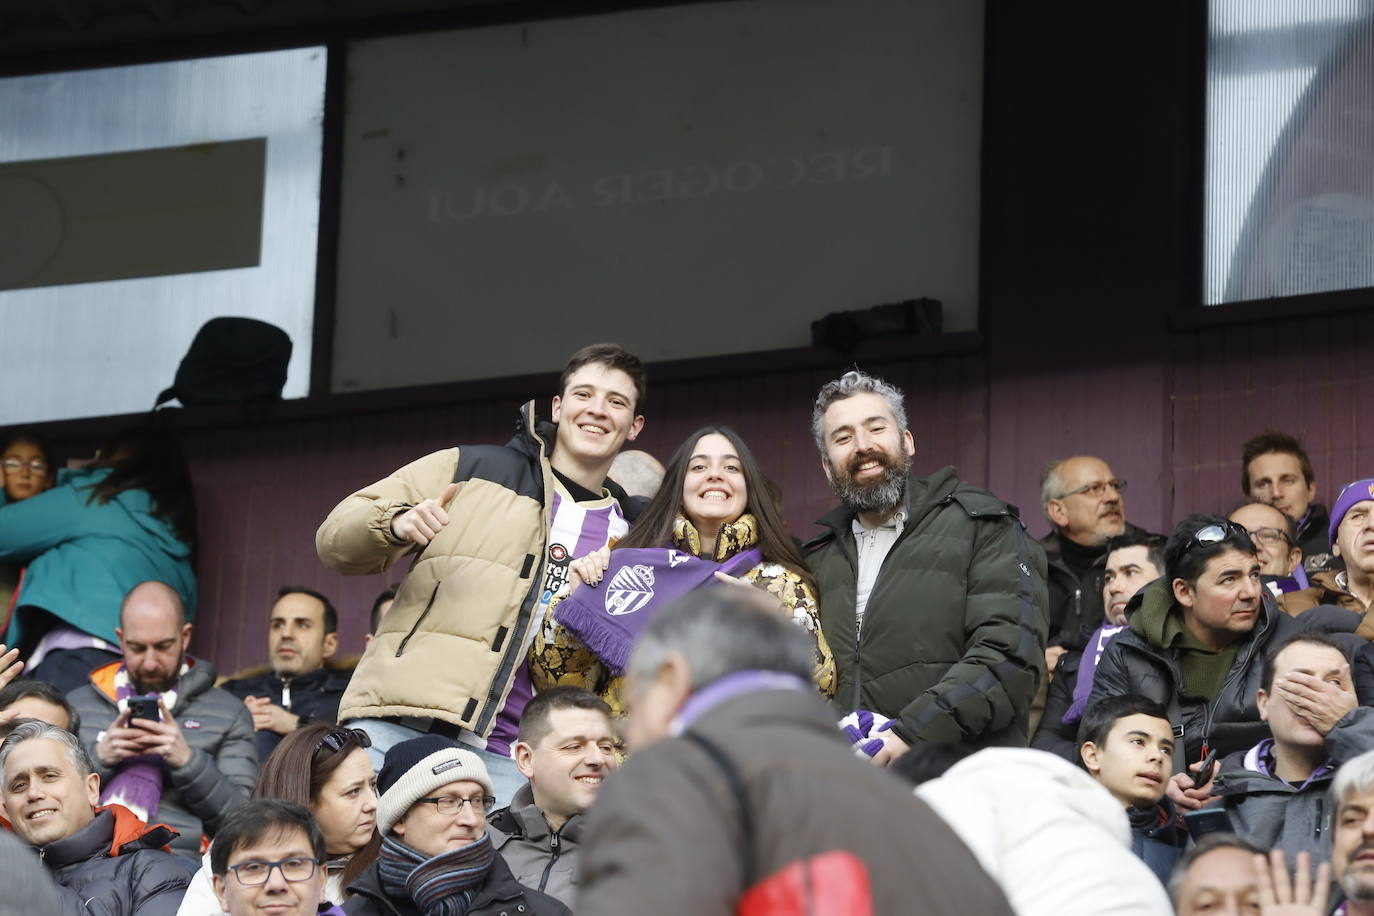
1352, 493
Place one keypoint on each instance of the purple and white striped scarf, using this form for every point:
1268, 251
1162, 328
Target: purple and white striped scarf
137, 783
1083, 687
609, 616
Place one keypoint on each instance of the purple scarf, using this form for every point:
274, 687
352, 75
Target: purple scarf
609, 616
137, 784
1092, 654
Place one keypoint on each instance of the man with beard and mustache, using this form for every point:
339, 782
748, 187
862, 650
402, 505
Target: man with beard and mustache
1085, 503
195, 760
932, 594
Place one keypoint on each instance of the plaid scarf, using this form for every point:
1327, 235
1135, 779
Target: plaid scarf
137, 784
442, 886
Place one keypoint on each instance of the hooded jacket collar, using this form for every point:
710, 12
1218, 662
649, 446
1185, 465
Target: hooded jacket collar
1147, 614
923, 496
199, 677
114, 831
523, 819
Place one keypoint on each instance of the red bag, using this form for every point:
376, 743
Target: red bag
831, 883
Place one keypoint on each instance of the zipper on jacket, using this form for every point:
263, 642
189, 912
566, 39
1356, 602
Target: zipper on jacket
419, 620
1321, 815
858, 656
554, 849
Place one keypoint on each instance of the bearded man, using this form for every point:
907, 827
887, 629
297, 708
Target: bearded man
933, 596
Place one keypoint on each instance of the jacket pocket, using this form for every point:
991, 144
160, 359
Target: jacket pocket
419, 620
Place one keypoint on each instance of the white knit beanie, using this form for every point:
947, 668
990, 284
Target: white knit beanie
415, 768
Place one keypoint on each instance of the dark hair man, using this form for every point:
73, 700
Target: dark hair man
1127, 745
725, 725
27, 699
1351, 535
380, 607
1086, 505
566, 749
1133, 560
1276, 470
269, 857
51, 793
1197, 640
482, 586
300, 684
194, 760
1275, 792
966, 667
436, 855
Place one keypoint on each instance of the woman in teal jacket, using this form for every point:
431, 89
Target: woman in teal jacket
127, 518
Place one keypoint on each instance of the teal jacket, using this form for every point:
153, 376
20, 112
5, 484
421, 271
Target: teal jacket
83, 557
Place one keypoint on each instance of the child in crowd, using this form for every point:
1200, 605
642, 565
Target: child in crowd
1127, 744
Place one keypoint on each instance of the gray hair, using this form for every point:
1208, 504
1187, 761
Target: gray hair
1355, 776
721, 630
30, 729
1051, 484
846, 386
1207, 843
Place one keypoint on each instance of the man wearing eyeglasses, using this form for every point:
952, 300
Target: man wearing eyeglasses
268, 859
436, 854
1084, 502
50, 797
1273, 534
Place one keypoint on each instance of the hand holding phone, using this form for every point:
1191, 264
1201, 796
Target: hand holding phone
145, 708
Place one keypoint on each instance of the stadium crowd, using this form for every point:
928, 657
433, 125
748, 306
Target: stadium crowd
610, 686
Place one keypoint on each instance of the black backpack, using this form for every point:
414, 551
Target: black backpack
232, 361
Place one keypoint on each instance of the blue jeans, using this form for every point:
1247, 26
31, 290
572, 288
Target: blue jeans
505, 776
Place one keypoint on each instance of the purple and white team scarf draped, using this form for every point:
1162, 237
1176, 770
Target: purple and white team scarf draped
1083, 687
137, 783
609, 616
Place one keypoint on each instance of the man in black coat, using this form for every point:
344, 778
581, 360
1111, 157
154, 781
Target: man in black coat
300, 685
50, 792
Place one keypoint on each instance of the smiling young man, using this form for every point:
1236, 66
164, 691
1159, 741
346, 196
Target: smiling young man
50, 797
437, 856
494, 529
932, 594
566, 749
1127, 745
1276, 792
301, 684
1196, 642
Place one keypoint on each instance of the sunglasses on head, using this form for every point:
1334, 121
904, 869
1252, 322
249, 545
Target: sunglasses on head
336, 741
1215, 534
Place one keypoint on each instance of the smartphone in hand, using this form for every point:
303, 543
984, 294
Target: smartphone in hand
144, 708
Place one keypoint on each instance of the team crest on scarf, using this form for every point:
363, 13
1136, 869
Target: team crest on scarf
630, 590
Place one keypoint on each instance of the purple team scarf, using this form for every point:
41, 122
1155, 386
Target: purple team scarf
1092, 654
137, 783
609, 616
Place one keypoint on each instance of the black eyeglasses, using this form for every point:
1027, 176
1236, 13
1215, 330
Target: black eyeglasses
1095, 490
338, 740
452, 804
255, 874
1215, 534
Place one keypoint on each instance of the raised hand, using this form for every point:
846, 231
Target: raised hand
420, 524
